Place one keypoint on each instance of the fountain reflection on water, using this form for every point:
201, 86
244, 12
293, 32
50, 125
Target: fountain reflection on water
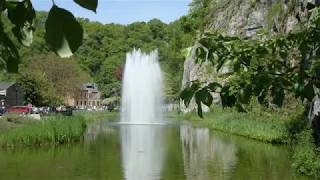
141, 143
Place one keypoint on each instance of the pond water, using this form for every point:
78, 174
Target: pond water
171, 152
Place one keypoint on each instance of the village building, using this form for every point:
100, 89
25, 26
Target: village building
88, 96
10, 94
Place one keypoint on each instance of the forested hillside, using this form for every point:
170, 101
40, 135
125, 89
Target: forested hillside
102, 55
103, 52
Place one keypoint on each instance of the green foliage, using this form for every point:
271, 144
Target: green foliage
103, 47
108, 80
46, 80
53, 130
9, 56
91, 5
199, 12
298, 124
22, 14
12, 120
267, 68
17, 119
91, 116
202, 95
63, 32
104, 50
306, 155
17, 130
38, 90
263, 126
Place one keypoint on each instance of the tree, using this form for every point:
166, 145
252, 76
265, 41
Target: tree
108, 79
63, 75
157, 28
110, 42
38, 90
105, 46
199, 12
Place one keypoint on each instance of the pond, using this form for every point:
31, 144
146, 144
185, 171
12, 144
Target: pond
172, 152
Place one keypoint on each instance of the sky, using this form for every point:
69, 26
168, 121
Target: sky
123, 11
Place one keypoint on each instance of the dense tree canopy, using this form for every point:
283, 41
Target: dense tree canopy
49, 79
104, 47
100, 49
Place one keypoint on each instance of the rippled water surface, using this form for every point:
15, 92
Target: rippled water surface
146, 152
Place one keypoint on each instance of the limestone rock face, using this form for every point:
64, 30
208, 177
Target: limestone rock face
203, 73
245, 18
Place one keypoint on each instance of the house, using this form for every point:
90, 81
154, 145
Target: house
88, 96
10, 94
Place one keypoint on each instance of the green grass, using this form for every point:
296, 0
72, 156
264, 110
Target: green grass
52, 130
91, 116
10, 121
262, 126
306, 155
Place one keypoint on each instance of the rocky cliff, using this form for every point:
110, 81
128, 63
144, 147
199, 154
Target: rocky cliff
246, 18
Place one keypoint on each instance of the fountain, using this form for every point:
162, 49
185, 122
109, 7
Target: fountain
142, 89
141, 115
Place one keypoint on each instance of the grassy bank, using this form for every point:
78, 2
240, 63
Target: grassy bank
263, 126
267, 127
306, 155
91, 116
274, 127
51, 130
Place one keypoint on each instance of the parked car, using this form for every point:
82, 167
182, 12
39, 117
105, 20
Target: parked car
19, 109
35, 110
64, 110
45, 110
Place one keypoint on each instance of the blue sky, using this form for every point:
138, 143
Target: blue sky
123, 11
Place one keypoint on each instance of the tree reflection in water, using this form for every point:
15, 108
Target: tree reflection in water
204, 156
